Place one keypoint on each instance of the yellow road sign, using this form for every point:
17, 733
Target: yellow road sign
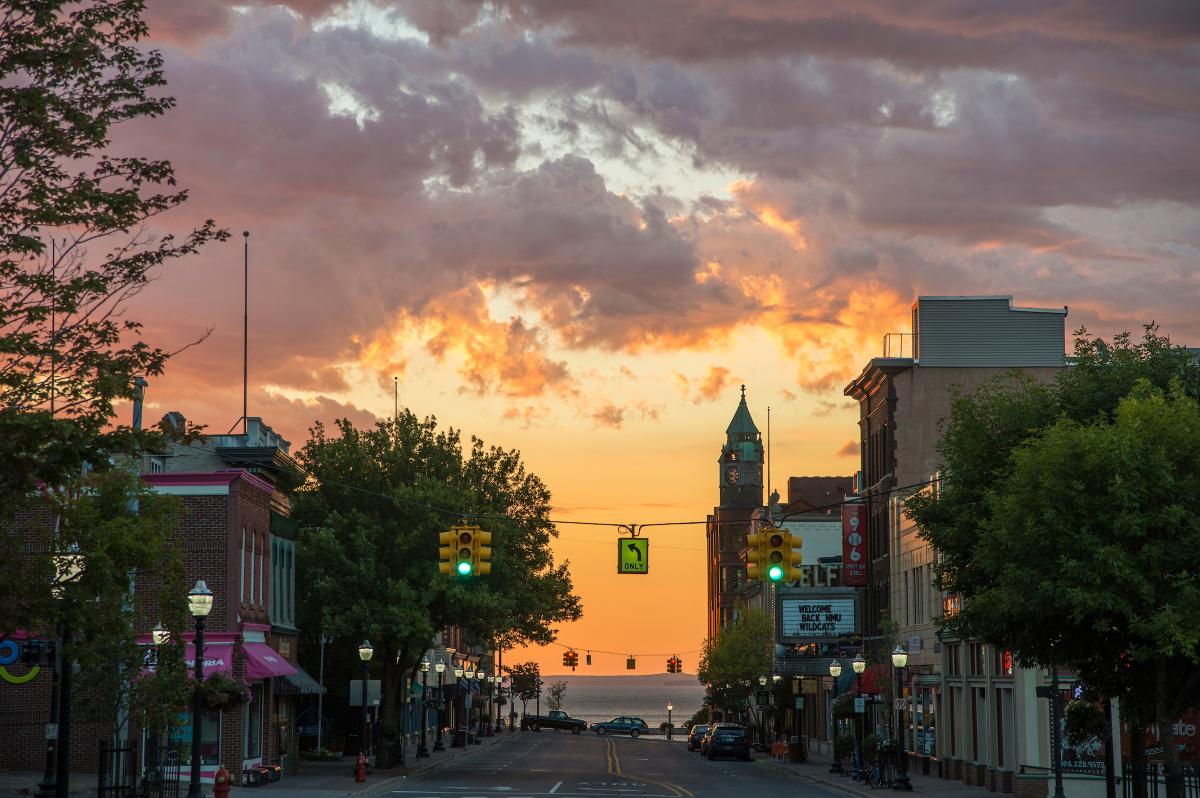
633, 556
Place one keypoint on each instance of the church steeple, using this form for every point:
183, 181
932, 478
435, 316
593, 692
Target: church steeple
741, 460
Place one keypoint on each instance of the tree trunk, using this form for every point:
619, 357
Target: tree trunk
1137, 746
1110, 776
389, 715
1165, 719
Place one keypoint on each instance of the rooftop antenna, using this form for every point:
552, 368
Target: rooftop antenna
395, 399
768, 460
245, 327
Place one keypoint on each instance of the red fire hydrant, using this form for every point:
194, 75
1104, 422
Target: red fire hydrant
360, 768
221, 783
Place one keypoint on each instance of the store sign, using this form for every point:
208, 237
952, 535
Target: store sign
854, 545
817, 617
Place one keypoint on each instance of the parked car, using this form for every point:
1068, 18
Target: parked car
622, 725
557, 719
695, 735
726, 739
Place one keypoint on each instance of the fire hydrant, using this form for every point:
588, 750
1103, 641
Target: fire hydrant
360, 768
221, 783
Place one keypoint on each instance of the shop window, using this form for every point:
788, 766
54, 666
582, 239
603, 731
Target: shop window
253, 724
953, 664
975, 659
1003, 663
210, 737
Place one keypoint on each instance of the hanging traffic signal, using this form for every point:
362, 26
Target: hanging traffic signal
755, 556
670, 664
483, 552
446, 541
589, 658
566, 659
674, 665
795, 571
571, 659
678, 665
464, 555
778, 554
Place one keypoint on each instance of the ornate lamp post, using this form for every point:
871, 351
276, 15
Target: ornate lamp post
481, 678
68, 566
422, 751
440, 668
859, 665
762, 716
200, 601
835, 670
670, 725
901, 782
365, 652
458, 674
499, 690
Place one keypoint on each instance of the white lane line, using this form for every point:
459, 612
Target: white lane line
554, 789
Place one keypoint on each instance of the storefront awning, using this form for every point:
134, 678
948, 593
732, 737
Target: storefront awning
299, 682
264, 662
218, 658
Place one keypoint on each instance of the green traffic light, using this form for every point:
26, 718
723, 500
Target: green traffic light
464, 568
775, 573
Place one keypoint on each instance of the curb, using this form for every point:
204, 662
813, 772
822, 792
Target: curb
429, 766
830, 785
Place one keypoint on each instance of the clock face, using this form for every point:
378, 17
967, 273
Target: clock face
731, 475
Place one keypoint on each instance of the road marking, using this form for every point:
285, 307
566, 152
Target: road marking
554, 789
614, 767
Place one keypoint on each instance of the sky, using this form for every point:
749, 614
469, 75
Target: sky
576, 228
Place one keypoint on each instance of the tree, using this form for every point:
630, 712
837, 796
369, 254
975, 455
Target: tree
74, 243
558, 691
1069, 471
732, 662
526, 680
105, 545
370, 514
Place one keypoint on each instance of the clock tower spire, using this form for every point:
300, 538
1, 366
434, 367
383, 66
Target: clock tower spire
741, 461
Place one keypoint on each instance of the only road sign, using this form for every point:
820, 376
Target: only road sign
633, 556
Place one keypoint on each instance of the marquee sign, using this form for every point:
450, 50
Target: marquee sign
816, 617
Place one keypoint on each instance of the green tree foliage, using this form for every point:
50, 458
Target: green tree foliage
526, 680
89, 595
732, 662
74, 243
1092, 475
370, 514
558, 693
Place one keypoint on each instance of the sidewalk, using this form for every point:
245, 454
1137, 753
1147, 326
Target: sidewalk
18, 782
816, 771
338, 777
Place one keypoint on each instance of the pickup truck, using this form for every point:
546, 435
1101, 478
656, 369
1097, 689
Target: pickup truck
557, 719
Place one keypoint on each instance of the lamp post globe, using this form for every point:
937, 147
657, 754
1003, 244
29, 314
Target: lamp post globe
859, 664
366, 651
440, 667
899, 656
835, 669
160, 635
200, 602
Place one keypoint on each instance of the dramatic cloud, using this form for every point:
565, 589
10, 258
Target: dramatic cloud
849, 449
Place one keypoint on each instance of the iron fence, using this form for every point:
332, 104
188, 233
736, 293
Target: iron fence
1156, 780
124, 772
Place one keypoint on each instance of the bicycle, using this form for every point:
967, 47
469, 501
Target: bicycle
875, 778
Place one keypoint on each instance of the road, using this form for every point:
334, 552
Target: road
589, 766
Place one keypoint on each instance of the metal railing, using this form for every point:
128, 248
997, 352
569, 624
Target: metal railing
895, 344
122, 775
1156, 780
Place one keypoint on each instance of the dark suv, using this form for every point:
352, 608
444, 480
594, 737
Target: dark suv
695, 735
727, 739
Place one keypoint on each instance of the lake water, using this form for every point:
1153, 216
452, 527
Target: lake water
600, 698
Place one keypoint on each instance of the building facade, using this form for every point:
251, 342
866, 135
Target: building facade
967, 707
740, 481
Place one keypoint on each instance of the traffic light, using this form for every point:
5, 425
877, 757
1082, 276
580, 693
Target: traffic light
571, 659
670, 664
755, 555
674, 665
778, 549
566, 659
446, 541
483, 552
795, 571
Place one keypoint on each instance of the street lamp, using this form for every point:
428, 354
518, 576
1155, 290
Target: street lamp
440, 668
421, 749
160, 635
68, 567
901, 782
835, 671
670, 725
859, 665
458, 674
365, 652
200, 601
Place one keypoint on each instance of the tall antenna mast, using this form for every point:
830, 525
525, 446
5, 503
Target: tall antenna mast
768, 461
245, 329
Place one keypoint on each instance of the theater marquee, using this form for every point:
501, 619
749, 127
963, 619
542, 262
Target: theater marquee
822, 616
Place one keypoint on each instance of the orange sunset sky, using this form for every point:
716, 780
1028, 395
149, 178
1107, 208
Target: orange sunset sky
575, 229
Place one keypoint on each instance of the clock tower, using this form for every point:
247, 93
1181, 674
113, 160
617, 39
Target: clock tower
741, 461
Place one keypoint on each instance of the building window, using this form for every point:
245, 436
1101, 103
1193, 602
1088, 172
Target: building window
953, 665
1003, 662
732, 577
210, 737
975, 659
242, 577
253, 547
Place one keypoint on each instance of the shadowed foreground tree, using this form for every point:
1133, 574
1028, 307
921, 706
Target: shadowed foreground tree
732, 662
1063, 521
370, 514
526, 679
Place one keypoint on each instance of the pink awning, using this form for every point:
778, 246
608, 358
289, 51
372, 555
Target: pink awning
218, 658
264, 662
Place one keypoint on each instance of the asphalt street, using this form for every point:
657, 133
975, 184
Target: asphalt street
591, 766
